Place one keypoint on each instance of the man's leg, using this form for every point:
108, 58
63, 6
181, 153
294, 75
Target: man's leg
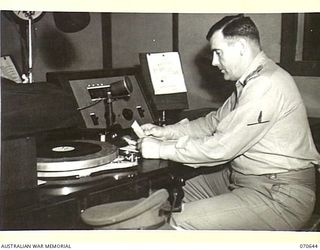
286, 208
207, 185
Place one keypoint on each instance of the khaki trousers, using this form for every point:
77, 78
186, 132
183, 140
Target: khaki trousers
229, 200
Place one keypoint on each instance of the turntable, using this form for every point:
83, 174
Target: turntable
70, 165
107, 103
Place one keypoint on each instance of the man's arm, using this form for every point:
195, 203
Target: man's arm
200, 127
237, 132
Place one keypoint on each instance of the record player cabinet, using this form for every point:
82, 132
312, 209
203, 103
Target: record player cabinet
37, 209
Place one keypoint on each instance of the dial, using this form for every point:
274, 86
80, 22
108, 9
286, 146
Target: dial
26, 15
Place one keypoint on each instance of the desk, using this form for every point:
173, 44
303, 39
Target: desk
39, 209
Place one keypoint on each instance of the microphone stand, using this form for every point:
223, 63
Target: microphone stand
111, 130
108, 109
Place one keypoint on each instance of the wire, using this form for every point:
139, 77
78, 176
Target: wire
90, 105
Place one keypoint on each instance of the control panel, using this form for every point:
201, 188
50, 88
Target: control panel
126, 109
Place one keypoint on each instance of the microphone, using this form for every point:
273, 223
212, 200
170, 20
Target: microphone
121, 88
115, 90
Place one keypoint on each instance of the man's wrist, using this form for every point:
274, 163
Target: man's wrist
167, 149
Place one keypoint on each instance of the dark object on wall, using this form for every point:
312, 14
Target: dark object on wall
57, 49
71, 22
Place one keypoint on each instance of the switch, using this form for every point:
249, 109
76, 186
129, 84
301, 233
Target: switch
94, 118
140, 111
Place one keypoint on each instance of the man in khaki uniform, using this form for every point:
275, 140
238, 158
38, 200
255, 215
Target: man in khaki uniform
261, 130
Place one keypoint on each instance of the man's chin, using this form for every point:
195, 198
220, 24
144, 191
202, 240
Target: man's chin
226, 77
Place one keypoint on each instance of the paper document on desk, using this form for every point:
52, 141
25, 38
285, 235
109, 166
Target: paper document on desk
138, 130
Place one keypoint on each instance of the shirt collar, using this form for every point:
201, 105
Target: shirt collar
256, 64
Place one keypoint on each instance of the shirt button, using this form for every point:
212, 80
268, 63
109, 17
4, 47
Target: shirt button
275, 187
273, 176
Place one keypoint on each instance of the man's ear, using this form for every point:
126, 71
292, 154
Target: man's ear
242, 45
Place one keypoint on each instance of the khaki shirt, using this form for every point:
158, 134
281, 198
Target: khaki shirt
262, 129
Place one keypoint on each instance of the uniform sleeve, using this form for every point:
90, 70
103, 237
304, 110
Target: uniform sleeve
200, 127
238, 131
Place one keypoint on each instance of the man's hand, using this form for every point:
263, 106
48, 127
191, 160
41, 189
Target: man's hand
149, 147
153, 130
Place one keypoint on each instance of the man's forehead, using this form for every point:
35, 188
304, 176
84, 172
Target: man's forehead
216, 40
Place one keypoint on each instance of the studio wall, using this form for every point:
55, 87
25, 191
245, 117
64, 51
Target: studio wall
134, 33
53, 49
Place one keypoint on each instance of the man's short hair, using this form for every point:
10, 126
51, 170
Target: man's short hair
236, 26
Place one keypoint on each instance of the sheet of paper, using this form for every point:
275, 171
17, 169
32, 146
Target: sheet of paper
129, 148
8, 69
138, 130
166, 73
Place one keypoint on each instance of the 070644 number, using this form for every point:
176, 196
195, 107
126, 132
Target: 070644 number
308, 246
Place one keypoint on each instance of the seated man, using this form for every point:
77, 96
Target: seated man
261, 130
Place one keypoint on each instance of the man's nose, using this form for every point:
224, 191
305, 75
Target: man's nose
215, 61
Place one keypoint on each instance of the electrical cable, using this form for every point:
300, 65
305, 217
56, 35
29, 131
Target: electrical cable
90, 105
